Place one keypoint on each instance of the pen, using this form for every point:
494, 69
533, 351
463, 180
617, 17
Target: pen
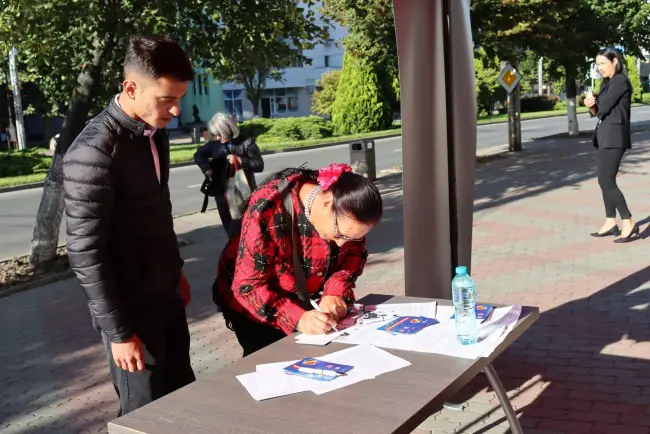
317, 307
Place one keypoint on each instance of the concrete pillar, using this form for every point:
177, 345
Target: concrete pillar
438, 103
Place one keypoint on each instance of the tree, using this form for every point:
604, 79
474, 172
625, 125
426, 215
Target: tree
360, 106
323, 99
74, 49
566, 32
252, 54
635, 79
371, 37
488, 89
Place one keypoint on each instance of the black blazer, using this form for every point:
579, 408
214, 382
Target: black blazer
614, 102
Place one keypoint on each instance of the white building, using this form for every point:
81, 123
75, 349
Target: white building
288, 98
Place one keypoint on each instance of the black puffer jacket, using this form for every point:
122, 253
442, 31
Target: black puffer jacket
120, 232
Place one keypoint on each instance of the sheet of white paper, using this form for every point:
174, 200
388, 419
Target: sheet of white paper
278, 382
368, 333
274, 366
322, 339
263, 386
439, 338
491, 334
413, 309
368, 362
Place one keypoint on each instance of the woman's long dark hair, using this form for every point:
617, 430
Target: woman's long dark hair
354, 195
612, 53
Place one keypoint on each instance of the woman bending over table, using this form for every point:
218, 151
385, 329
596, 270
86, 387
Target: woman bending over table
260, 295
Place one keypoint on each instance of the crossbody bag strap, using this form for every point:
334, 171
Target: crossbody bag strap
299, 272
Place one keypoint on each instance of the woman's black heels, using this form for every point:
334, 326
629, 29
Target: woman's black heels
615, 231
633, 235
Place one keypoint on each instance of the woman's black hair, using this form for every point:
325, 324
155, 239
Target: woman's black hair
612, 53
354, 195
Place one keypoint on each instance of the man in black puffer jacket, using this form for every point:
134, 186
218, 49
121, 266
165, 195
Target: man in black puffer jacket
120, 232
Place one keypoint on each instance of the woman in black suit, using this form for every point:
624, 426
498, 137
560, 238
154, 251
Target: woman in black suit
612, 138
228, 149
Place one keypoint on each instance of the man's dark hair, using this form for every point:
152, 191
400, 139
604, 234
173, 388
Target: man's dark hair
156, 57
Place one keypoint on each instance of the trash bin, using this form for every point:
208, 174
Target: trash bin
196, 135
362, 158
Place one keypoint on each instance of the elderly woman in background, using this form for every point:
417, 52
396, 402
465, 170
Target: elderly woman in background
226, 151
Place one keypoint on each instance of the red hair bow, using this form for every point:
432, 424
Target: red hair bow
329, 175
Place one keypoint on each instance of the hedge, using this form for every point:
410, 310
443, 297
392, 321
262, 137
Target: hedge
539, 103
287, 129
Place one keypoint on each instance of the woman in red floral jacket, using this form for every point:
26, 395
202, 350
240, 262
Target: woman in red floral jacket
256, 286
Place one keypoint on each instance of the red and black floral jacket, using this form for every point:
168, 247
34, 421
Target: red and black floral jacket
255, 275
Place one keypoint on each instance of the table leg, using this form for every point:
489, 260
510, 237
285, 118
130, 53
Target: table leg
496, 384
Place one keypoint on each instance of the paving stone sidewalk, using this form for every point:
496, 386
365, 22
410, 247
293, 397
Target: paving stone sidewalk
582, 369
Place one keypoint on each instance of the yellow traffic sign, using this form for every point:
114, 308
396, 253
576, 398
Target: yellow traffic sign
509, 78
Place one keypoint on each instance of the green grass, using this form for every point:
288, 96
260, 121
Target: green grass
524, 116
12, 181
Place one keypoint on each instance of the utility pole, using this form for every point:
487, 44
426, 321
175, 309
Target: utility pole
509, 79
540, 76
18, 104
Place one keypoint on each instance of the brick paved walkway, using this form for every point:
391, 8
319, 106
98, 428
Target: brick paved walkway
582, 369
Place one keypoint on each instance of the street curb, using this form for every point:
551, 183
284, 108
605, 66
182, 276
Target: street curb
182, 242
29, 186
36, 283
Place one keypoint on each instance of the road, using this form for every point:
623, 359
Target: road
18, 209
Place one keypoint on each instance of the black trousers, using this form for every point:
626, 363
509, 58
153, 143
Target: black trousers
608, 162
252, 335
166, 338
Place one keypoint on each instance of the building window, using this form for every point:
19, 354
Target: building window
233, 102
296, 62
200, 84
282, 100
327, 61
292, 100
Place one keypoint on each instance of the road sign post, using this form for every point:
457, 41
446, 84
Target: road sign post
509, 79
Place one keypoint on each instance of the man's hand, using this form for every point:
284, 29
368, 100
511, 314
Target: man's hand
233, 158
129, 355
208, 173
335, 306
314, 322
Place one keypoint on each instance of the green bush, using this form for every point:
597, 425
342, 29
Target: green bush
255, 127
360, 106
293, 129
539, 103
635, 79
18, 163
323, 99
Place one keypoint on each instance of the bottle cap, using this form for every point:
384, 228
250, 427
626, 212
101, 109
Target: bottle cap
461, 270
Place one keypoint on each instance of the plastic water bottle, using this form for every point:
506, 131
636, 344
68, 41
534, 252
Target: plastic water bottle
464, 297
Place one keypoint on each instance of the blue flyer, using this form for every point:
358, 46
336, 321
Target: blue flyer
408, 325
319, 370
482, 311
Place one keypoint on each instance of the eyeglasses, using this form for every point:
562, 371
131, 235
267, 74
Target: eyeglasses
339, 235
